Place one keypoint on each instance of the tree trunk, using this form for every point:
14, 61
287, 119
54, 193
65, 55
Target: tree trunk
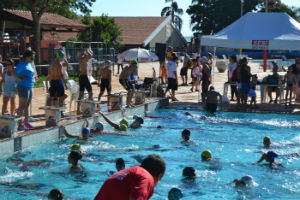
37, 36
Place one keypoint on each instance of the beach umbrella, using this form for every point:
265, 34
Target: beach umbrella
139, 54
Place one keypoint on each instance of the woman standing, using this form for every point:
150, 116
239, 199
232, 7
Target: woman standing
232, 76
24, 73
10, 88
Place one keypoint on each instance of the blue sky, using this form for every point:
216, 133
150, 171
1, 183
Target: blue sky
149, 8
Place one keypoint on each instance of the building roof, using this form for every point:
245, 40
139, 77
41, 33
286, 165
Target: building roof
48, 20
135, 30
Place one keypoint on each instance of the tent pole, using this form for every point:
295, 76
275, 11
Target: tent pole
265, 60
241, 51
214, 65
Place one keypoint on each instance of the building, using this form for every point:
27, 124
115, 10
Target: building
146, 31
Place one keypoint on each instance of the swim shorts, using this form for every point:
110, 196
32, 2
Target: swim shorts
126, 84
105, 85
183, 71
245, 88
172, 84
24, 92
84, 83
56, 88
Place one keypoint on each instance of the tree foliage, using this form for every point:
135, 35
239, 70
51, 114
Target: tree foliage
278, 6
211, 16
103, 29
175, 12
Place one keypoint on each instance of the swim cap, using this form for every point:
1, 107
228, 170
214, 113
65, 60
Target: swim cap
134, 62
272, 155
60, 54
75, 155
135, 116
156, 146
90, 52
140, 120
85, 130
124, 121
123, 127
99, 125
212, 88
267, 139
247, 179
189, 172
206, 155
120, 161
56, 194
75, 147
107, 63
175, 194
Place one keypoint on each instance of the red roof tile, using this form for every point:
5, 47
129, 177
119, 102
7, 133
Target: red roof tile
49, 19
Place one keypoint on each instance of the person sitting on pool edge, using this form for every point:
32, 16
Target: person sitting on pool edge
73, 159
210, 100
55, 194
270, 158
135, 183
175, 194
245, 181
201, 117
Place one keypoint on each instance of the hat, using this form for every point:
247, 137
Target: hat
90, 52
107, 63
175, 194
60, 54
85, 130
99, 125
75, 147
134, 62
272, 155
203, 59
206, 154
124, 121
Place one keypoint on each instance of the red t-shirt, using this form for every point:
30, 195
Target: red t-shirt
135, 182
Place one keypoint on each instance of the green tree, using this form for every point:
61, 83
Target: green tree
174, 11
39, 7
211, 16
103, 29
278, 6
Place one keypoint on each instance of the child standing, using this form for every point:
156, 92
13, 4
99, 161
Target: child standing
252, 92
104, 81
290, 80
10, 88
196, 74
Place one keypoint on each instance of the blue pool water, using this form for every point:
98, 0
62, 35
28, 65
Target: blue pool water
234, 138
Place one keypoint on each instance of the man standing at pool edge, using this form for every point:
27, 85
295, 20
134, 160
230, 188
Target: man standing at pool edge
135, 183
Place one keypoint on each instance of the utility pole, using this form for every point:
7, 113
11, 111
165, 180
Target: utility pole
242, 7
267, 5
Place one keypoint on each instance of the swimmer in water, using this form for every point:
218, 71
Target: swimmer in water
73, 159
195, 116
175, 194
43, 162
185, 134
214, 163
270, 158
137, 123
245, 181
55, 194
189, 172
267, 142
84, 134
122, 126
120, 164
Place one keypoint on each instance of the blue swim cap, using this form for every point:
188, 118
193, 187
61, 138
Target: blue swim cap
99, 125
175, 194
272, 155
85, 130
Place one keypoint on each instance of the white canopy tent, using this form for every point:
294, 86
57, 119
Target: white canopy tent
264, 31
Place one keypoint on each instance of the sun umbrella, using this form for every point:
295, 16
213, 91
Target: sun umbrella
139, 54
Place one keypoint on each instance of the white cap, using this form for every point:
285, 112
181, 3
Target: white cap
90, 52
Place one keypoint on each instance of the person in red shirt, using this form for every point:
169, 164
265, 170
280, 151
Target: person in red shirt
135, 183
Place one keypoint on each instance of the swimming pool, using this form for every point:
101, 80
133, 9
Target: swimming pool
234, 138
